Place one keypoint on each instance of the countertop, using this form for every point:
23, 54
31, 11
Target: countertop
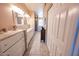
9, 33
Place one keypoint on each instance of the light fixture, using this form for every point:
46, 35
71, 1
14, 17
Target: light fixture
26, 15
17, 10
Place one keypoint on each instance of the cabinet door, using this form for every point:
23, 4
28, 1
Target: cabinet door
16, 50
62, 26
7, 43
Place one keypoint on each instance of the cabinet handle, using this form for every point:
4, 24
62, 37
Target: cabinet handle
5, 45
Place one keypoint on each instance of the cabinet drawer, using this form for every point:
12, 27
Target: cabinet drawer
8, 42
16, 50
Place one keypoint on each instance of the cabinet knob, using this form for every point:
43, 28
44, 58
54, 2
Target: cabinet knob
5, 45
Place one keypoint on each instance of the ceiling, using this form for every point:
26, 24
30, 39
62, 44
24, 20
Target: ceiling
35, 6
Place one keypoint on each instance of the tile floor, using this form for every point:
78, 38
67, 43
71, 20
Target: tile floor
38, 48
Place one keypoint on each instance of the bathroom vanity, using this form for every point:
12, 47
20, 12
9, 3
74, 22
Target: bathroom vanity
12, 43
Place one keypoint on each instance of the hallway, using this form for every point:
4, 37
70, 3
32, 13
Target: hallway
38, 48
23, 26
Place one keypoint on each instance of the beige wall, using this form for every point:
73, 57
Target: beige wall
32, 20
60, 30
47, 6
7, 19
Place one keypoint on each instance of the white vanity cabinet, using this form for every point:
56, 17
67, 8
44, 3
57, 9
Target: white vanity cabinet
16, 50
13, 45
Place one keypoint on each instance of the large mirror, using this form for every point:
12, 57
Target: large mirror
18, 16
19, 19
